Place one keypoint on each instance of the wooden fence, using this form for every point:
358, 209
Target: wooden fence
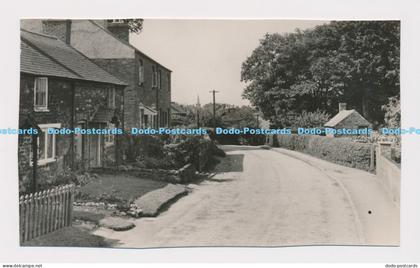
46, 211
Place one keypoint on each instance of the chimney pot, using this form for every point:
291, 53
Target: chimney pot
342, 106
119, 28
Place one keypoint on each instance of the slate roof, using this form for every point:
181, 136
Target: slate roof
343, 115
49, 56
148, 110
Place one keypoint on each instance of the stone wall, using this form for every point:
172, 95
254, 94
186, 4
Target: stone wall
388, 172
59, 111
88, 98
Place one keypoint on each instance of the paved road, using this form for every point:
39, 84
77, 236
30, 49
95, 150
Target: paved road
269, 198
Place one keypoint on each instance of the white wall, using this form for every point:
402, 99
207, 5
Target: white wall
95, 42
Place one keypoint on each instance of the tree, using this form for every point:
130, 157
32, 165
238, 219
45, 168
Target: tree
134, 25
392, 113
351, 61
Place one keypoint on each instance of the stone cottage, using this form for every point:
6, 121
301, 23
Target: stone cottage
349, 119
61, 88
178, 114
106, 42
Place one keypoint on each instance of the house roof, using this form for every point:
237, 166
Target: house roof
343, 115
177, 108
47, 55
128, 44
148, 110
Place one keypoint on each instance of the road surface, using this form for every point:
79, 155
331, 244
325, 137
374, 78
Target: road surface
263, 197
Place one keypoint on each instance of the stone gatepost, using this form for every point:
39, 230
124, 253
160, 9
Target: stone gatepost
385, 149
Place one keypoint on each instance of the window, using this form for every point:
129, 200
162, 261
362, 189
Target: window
109, 138
154, 76
46, 144
41, 94
111, 97
159, 79
141, 72
168, 79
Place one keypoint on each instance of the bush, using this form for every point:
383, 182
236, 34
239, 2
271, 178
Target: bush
136, 147
191, 149
340, 151
169, 152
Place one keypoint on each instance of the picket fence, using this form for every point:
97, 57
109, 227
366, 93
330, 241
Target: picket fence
46, 211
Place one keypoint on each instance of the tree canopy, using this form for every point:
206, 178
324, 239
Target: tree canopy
356, 62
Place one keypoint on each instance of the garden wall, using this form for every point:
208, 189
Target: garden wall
337, 150
388, 171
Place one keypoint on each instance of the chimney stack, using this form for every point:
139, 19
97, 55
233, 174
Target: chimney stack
119, 28
342, 106
58, 28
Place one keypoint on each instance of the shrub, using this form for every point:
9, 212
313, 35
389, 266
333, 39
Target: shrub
136, 147
392, 112
340, 151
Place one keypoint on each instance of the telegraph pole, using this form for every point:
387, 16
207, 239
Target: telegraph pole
214, 109
198, 111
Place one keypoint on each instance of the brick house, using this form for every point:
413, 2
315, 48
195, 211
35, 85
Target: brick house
61, 88
349, 119
106, 42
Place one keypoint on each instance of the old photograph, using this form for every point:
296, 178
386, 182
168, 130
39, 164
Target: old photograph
156, 133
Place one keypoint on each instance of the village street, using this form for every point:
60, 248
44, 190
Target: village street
263, 197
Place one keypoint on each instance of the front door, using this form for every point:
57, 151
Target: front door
95, 152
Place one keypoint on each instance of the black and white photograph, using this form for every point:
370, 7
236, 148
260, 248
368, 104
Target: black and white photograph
161, 133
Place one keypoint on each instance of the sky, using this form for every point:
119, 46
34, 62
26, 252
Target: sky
207, 55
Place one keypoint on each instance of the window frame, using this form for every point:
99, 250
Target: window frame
45, 160
109, 138
111, 97
141, 72
154, 77
39, 108
168, 78
159, 79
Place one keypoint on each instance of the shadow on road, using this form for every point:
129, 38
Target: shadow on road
229, 148
231, 163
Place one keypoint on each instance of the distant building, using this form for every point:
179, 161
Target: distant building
178, 114
350, 119
147, 98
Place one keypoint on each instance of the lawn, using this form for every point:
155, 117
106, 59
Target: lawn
68, 237
117, 188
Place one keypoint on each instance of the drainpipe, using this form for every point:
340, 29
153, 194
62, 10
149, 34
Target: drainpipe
72, 119
157, 108
34, 162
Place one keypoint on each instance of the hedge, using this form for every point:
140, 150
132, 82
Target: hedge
337, 150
